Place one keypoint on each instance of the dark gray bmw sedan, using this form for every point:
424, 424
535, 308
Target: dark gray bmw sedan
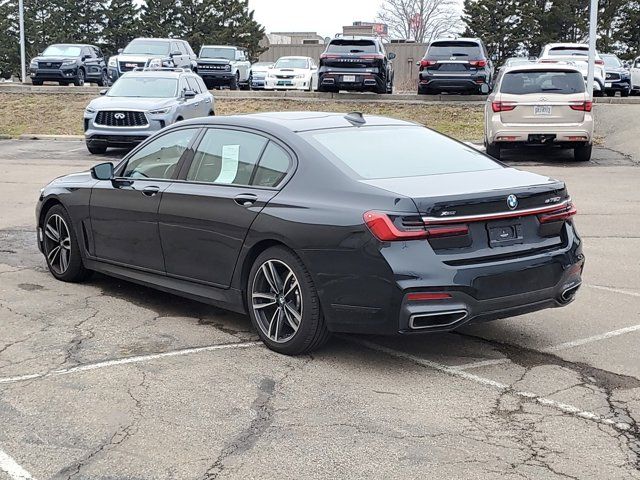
314, 223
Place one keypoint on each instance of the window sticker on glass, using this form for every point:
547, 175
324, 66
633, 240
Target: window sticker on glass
230, 159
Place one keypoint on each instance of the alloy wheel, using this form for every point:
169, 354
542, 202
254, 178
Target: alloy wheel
276, 299
57, 244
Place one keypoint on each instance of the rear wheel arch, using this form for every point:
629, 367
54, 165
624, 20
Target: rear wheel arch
251, 256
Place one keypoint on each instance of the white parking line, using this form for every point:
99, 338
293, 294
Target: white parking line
615, 290
532, 397
127, 360
11, 468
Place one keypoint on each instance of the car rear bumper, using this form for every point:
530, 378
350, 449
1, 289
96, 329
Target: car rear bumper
454, 83
498, 132
362, 81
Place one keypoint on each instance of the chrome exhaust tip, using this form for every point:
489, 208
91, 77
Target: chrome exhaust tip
445, 319
568, 294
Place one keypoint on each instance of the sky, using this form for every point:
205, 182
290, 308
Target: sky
327, 17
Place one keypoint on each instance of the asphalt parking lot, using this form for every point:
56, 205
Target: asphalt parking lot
109, 380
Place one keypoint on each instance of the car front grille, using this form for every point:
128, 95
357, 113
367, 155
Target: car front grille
206, 66
613, 76
128, 66
285, 77
121, 119
49, 64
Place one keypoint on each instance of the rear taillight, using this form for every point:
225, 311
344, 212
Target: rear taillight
586, 106
383, 228
559, 216
478, 63
426, 296
502, 106
324, 56
427, 63
372, 57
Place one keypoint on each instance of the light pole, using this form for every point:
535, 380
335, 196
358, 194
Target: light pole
23, 59
593, 34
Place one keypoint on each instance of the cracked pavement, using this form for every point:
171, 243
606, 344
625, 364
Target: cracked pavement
347, 411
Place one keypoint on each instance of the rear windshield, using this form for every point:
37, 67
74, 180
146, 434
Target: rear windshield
352, 46
396, 151
569, 51
464, 50
540, 81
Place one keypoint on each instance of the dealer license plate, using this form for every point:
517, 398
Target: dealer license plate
349, 78
607, 85
542, 110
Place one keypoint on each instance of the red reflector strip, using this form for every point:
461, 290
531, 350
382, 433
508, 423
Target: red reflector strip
453, 231
559, 216
417, 297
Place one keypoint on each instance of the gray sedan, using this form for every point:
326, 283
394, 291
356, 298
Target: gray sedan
142, 102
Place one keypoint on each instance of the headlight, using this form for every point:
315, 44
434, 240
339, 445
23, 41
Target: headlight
271, 75
89, 110
228, 68
34, 64
68, 63
154, 63
113, 62
160, 111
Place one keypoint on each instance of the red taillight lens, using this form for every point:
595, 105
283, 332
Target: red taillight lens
383, 228
427, 63
328, 55
583, 106
502, 106
562, 215
425, 296
372, 57
478, 63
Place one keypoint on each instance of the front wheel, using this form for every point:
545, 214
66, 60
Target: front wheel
79, 81
284, 305
625, 93
234, 82
104, 79
583, 153
60, 246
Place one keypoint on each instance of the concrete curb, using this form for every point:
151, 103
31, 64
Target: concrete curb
36, 136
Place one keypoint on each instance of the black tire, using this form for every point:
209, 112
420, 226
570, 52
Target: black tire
390, 88
611, 94
75, 270
493, 150
36, 83
583, 153
96, 149
312, 331
79, 81
104, 79
212, 113
625, 93
63, 84
234, 83
423, 90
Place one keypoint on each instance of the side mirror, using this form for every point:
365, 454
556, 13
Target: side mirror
187, 94
392, 56
120, 50
104, 91
102, 171
177, 53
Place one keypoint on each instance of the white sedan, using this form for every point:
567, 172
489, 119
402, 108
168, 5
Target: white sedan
293, 73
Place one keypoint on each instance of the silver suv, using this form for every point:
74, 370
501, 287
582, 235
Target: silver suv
142, 102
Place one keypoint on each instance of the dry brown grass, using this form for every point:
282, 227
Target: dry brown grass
62, 114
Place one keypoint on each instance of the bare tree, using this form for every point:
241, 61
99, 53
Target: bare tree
420, 20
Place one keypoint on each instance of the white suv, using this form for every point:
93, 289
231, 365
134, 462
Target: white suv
578, 54
540, 104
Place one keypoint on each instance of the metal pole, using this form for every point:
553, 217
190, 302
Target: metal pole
23, 59
593, 34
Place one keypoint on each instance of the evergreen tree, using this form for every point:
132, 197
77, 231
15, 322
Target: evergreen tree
161, 18
120, 24
9, 39
627, 33
495, 22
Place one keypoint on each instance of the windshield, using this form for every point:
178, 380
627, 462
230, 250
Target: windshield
541, 81
352, 46
392, 152
147, 47
569, 51
215, 52
612, 61
62, 51
144, 87
446, 50
292, 63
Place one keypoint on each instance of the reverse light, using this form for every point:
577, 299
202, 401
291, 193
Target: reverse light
502, 106
585, 106
383, 228
426, 296
562, 215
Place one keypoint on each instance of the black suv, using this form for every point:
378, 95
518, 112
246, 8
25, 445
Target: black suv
357, 64
456, 65
69, 63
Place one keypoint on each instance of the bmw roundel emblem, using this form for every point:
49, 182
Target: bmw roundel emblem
512, 202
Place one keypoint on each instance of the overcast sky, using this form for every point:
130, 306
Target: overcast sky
327, 17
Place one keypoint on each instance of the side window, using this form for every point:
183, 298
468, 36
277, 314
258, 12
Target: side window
193, 85
188, 49
203, 87
182, 48
226, 157
159, 158
86, 52
98, 52
174, 47
272, 168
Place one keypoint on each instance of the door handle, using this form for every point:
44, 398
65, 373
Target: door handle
245, 199
150, 191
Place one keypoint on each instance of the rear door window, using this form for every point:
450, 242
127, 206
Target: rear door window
454, 49
352, 46
540, 81
273, 167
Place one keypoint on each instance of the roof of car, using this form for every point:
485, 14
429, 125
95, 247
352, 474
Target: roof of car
296, 121
294, 56
568, 45
72, 44
159, 39
561, 66
457, 39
